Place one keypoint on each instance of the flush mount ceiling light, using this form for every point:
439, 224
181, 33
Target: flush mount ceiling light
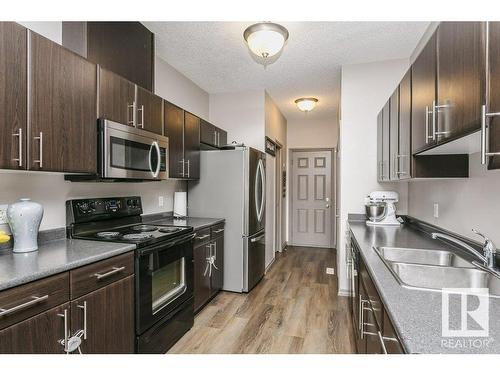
306, 104
265, 40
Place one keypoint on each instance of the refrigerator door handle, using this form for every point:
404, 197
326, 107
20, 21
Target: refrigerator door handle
260, 174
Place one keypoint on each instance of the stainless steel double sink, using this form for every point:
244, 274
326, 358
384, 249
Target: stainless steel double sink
428, 269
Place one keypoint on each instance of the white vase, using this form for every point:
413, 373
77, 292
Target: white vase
24, 219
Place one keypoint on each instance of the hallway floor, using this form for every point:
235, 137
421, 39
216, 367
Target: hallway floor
294, 309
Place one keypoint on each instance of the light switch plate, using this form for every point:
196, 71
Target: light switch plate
436, 210
161, 201
330, 271
3, 213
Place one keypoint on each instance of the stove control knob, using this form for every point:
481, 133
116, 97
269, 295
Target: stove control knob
92, 205
83, 207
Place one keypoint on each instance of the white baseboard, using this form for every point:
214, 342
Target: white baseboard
344, 293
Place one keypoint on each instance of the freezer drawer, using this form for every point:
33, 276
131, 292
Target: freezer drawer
254, 260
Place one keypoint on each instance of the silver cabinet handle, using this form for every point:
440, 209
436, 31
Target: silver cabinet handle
129, 108
257, 238
65, 340
435, 112
215, 137
110, 273
218, 139
202, 237
188, 169
141, 124
382, 343
427, 113
84, 308
19, 136
34, 300
485, 136
219, 231
182, 163
40, 153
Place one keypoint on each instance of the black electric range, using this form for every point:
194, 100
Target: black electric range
164, 306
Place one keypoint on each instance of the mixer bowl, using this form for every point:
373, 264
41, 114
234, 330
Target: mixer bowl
376, 211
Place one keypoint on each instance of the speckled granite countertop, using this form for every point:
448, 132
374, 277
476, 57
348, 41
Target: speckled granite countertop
416, 314
196, 222
54, 257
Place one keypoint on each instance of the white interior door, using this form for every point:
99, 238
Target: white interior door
312, 205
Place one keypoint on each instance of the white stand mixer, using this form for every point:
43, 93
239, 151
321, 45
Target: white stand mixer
378, 199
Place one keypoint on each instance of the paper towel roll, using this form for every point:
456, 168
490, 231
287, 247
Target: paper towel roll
180, 204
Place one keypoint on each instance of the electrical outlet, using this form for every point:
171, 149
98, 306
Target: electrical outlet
3, 213
436, 210
330, 271
160, 201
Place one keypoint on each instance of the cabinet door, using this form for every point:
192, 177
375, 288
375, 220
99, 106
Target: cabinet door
360, 336
126, 48
218, 273
174, 130
494, 93
40, 334
380, 144
423, 95
371, 332
149, 111
63, 90
404, 159
116, 98
394, 135
207, 133
461, 78
221, 137
13, 47
192, 145
109, 316
201, 276
386, 156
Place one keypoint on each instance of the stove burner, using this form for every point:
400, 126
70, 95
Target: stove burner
108, 234
137, 236
169, 230
145, 228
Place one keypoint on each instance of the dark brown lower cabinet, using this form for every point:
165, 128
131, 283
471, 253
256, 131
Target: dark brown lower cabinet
41, 334
217, 273
109, 314
201, 277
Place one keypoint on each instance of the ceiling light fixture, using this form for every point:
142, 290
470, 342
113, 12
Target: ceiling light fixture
306, 104
266, 40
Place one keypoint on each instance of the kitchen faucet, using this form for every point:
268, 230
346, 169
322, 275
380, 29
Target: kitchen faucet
489, 248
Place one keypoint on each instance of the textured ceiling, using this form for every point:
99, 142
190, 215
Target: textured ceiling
215, 57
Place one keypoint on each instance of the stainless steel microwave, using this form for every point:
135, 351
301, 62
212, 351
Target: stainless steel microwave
131, 154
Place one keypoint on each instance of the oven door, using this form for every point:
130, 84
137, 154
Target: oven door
164, 280
131, 153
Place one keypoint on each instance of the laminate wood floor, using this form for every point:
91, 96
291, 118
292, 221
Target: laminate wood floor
294, 309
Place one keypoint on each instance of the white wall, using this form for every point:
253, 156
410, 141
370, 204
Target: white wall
52, 191
49, 29
464, 203
180, 90
365, 89
242, 115
315, 133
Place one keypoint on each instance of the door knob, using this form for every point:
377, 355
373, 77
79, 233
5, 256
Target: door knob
327, 206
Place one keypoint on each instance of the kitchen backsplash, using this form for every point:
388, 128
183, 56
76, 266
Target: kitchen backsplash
52, 191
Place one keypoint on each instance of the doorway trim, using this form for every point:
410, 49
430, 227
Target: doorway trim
291, 182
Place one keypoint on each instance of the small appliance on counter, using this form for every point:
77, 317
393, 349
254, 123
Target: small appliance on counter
24, 219
380, 208
163, 265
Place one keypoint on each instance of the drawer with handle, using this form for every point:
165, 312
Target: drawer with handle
202, 236
96, 275
25, 301
218, 230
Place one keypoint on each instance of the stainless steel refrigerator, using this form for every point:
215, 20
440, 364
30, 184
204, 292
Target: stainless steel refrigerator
232, 185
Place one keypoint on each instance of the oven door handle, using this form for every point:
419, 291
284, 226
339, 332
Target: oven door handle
177, 241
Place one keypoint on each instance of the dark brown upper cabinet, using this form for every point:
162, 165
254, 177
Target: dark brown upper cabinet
380, 137
192, 145
386, 156
174, 130
404, 155
394, 136
211, 135
116, 98
13, 129
125, 48
423, 95
492, 103
62, 109
460, 79
149, 111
